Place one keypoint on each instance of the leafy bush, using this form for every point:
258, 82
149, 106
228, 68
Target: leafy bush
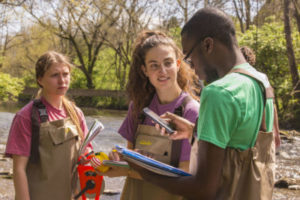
269, 44
10, 87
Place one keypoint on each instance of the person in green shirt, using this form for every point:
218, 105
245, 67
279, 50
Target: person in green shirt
233, 153
231, 105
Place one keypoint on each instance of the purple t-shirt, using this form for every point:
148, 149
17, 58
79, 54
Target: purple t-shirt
19, 139
190, 113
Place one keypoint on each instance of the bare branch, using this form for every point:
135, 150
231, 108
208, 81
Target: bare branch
12, 3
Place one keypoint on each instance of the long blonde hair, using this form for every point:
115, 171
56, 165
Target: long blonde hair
42, 65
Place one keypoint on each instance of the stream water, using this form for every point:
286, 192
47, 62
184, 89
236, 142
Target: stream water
287, 163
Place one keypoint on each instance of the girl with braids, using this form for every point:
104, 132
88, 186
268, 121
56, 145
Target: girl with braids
158, 79
45, 135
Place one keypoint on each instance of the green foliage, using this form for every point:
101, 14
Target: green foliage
10, 87
1, 60
78, 80
269, 44
101, 102
104, 75
175, 34
105, 72
24, 51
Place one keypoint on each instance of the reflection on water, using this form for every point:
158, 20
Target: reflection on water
287, 163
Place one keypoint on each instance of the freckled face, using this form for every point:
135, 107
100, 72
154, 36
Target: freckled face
56, 80
161, 67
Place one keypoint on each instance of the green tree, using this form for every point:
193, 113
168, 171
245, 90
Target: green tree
268, 42
290, 48
104, 73
85, 24
122, 37
24, 51
10, 87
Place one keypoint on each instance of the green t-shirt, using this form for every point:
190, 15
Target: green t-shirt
231, 110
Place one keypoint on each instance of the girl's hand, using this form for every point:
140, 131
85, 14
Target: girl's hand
85, 158
114, 155
114, 171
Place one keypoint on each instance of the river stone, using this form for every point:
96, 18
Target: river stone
285, 155
285, 183
281, 184
294, 187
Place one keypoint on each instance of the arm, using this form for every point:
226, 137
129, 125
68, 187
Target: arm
216, 104
210, 159
20, 177
203, 185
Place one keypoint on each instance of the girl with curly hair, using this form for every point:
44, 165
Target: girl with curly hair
158, 79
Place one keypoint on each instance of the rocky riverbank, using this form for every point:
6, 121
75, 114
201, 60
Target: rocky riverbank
287, 185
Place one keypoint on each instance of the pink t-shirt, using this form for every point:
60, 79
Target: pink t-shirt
19, 139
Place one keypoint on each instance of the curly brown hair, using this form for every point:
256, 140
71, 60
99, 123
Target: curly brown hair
140, 90
249, 55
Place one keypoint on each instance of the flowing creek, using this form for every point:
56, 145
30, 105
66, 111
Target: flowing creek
287, 163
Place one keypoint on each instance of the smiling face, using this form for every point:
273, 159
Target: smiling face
161, 67
56, 80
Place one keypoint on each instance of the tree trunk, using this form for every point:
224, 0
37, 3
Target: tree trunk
238, 16
290, 49
248, 13
297, 14
89, 81
186, 11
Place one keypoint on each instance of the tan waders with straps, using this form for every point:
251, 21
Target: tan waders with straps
249, 174
135, 189
163, 149
50, 177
